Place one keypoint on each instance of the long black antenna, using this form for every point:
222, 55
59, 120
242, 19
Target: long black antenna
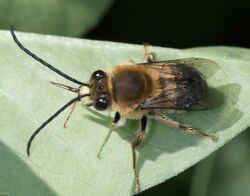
78, 98
42, 61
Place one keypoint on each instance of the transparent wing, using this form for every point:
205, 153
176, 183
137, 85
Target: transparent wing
206, 66
183, 84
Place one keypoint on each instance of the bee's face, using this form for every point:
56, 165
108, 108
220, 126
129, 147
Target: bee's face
99, 90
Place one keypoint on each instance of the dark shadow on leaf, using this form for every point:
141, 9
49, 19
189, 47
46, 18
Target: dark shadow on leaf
17, 178
215, 98
104, 143
98, 117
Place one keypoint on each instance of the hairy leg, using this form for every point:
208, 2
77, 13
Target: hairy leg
135, 143
187, 128
149, 56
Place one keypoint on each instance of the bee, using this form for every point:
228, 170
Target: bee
138, 91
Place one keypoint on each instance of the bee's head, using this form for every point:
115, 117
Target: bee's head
95, 92
98, 90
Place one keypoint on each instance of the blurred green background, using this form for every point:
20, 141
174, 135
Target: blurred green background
176, 24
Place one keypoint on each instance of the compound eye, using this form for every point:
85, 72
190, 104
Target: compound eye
97, 75
101, 104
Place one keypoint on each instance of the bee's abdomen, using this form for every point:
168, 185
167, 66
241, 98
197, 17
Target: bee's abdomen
130, 85
191, 88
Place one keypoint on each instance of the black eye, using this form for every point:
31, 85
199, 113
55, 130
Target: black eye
101, 104
99, 74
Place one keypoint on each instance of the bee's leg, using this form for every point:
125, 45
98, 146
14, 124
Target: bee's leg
131, 61
118, 121
149, 56
135, 143
71, 111
187, 128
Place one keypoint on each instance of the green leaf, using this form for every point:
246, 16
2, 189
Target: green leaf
226, 173
58, 17
86, 158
